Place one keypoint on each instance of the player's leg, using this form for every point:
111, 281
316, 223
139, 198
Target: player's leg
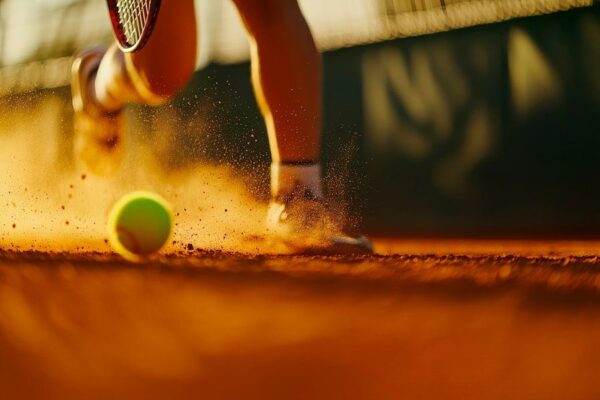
287, 79
160, 69
104, 80
286, 74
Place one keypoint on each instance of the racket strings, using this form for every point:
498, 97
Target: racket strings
133, 15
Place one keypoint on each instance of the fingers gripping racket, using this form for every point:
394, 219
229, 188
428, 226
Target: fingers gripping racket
133, 21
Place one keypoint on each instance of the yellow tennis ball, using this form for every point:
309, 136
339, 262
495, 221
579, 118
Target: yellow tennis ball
139, 225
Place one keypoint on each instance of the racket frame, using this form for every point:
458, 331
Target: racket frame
119, 30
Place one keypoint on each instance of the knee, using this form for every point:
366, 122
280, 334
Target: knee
165, 65
163, 78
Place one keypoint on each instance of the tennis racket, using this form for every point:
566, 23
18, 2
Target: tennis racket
133, 21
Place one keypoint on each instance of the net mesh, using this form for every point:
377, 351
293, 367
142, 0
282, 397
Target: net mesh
37, 43
133, 15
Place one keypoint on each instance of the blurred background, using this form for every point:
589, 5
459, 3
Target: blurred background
442, 117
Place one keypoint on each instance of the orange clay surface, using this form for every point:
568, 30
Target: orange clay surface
423, 319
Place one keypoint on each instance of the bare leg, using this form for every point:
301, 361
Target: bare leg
287, 79
286, 74
159, 70
104, 80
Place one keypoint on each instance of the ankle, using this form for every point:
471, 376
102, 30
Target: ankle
289, 179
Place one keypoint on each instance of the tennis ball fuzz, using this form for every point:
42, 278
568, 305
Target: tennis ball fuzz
139, 224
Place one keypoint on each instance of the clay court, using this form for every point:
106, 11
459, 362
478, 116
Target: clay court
422, 319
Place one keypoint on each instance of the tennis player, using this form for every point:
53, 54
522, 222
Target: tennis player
286, 71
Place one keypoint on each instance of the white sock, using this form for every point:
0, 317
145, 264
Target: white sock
285, 178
